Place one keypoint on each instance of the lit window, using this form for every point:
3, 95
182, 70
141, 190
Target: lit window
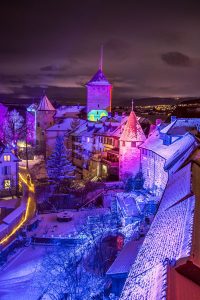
6, 157
7, 184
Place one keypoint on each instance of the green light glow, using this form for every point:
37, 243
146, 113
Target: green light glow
95, 115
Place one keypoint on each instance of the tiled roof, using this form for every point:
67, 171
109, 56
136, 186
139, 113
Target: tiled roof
150, 285
178, 187
132, 130
45, 104
169, 237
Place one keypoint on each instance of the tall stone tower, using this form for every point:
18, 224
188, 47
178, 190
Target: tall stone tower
99, 95
129, 153
44, 119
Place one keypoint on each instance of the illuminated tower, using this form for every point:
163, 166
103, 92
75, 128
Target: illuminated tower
99, 93
44, 119
129, 153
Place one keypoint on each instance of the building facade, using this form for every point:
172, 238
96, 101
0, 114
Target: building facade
9, 172
129, 153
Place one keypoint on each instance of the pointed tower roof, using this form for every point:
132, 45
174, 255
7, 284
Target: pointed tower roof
132, 131
45, 104
99, 79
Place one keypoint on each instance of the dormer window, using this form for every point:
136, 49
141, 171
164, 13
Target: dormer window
6, 157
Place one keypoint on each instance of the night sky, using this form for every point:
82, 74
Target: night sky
150, 49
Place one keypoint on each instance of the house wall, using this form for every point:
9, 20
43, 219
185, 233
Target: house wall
8, 171
44, 120
155, 177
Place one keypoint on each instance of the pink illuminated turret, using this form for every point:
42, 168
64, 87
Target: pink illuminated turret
131, 138
44, 119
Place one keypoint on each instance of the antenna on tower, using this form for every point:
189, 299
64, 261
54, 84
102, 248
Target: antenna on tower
101, 59
132, 105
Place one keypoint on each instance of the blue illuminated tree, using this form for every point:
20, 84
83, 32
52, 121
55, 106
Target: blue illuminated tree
134, 183
14, 128
58, 164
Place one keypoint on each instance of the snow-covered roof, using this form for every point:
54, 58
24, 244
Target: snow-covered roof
98, 79
180, 125
62, 110
124, 260
178, 187
33, 107
45, 104
169, 152
132, 131
127, 204
150, 285
6, 150
15, 214
169, 237
66, 125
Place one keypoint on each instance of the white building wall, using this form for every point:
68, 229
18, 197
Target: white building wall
155, 177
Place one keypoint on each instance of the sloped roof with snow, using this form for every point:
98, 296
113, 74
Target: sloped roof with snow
169, 237
178, 187
45, 104
181, 125
132, 130
65, 125
6, 150
169, 152
150, 285
124, 260
62, 110
98, 79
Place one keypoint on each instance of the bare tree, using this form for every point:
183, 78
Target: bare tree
62, 275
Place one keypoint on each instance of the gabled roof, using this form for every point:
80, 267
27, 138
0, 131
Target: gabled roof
45, 104
33, 107
98, 79
172, 152
132, 131
6, 149
181, 125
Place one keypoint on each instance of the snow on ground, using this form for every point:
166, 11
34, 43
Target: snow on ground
31, 163
16, 277
50, 227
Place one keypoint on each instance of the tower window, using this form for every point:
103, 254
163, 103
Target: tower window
133, 144
123, 143
7, 184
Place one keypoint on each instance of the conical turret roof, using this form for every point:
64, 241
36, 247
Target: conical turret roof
99, 79
45, 104
132, 131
